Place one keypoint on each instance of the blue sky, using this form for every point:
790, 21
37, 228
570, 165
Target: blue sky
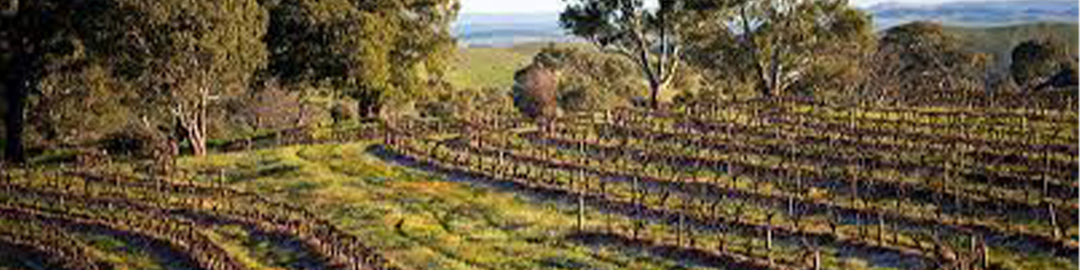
539, 6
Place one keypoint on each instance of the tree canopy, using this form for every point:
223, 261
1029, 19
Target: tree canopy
780, 46
179, 62
368, 50
920, 62
1034, 61
33, 34
648, 36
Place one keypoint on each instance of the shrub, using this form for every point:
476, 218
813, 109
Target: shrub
344, 111
134, 141
1035, 60
535, 92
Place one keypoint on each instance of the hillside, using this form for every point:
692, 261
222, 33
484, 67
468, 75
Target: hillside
489, 67
483, 67
999, 41
975, 13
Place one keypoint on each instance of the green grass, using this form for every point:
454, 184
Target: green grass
483, 67
445, 224
488, 67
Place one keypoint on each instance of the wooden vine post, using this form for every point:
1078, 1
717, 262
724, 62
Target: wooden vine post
985, 254
768, 237
1053, 219
817, 259
584, 188
680, 227
581, 213
881, 225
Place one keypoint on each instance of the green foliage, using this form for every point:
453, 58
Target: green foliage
331, 41
784, 46
1000, 41
650, 37
182, 55
32, 35
1035, 60
921, 62
369, 51
591, 80
76, 106
468, 102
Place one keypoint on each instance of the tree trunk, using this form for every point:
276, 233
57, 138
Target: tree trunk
773, 86
193, 124
197, 137
654, 94
15, 120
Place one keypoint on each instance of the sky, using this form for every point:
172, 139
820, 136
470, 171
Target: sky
542, 6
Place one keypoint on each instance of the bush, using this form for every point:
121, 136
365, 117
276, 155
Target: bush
535, 92
344, 111
591, 80
268, 107
133, 141
1035, 60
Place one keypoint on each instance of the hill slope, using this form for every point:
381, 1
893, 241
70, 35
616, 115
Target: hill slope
999, 41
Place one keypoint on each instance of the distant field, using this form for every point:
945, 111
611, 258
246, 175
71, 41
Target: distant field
482, 67
490, 67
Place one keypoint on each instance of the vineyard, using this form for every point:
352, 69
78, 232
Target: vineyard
41, 212
753, 185
786, 186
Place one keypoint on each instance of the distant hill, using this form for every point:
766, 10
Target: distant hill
505, 30
999, 41
977, 13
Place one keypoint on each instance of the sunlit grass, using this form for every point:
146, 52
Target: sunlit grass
443, 224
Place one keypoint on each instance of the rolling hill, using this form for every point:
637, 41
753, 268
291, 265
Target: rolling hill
506, 30
999, 41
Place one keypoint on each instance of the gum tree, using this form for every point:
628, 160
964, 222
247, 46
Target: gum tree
184, 56
649, 36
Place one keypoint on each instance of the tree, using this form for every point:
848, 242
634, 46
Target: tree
77, 102
426, 45
31, 32
1035, 60
920, 62
783, 45
648, 36
1066, 77
370, 51
184, 56
331, 42
592, 80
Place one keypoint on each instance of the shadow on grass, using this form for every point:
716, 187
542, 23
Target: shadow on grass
262, 171
283, 250
696, 256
